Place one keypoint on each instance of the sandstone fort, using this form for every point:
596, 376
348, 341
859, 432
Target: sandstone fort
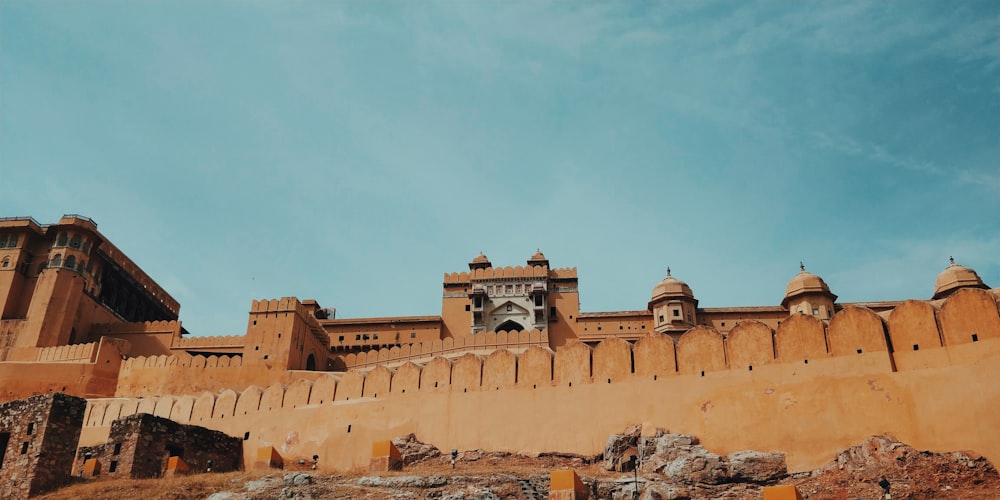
510, 363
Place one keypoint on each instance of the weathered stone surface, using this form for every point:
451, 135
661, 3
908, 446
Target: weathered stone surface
40, 435
471, 492
403, 481
412, 450
757, 467
226, 495
138, 447
620, 448
297, 479
663, 491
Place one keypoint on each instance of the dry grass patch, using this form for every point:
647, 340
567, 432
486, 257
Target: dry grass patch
174, 488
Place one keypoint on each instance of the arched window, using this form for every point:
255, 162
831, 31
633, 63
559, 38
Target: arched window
70, 262
61, 240
75, 242
3, 240
86, 246
13, 240
6, 261
79, 266
509, 326
311, 363
56, 261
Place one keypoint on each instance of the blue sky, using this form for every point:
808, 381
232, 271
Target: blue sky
354, 152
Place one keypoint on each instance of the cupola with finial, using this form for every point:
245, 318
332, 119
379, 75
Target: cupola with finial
538, 259
480, 262
673, 306
807, 293
955, 277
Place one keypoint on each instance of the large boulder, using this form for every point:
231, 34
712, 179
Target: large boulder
757, 467
682, 460
411, 450
619, 449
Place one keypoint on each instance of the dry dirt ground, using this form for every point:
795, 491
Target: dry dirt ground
854, 474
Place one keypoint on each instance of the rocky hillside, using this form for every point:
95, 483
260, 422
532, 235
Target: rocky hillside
670, 466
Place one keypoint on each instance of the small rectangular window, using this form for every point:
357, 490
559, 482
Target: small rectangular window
676, 313
467, 308
661, 318
118, 448
357, 337
815, 311
113, 467
31, 428
341, 338
413, 335
24, 447
4, 439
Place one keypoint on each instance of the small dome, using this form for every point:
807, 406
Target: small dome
671, 287
805, 282
955, 277
480, 262
537, 256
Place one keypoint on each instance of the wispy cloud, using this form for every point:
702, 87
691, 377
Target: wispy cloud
882, 156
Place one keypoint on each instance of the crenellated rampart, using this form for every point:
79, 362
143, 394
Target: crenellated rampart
448, 347
509, 272
230, 341
854, 331
140, 327
752, 389
74, 353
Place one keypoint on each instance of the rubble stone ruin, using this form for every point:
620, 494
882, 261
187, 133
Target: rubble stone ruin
147, 446
38, 438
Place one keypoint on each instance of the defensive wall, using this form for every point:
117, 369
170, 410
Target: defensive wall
925, 374
146, 338
87, 370
184, 374
233, 342
448, 347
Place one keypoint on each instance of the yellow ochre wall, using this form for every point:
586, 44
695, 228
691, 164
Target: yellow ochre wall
939, 397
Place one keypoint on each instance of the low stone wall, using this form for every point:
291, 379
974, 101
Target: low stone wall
38, 437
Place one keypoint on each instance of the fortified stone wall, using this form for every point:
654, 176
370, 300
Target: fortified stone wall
446, 347
148, 338
178, 375
751, 390
80, 370
196, 343
38, 439
80, 353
